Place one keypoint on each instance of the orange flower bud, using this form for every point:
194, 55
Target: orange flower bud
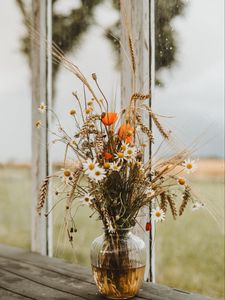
126, 132
109, 118
107, 155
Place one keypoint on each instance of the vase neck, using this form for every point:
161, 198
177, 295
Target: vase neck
118, 232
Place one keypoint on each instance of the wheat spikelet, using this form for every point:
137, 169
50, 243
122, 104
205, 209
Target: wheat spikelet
159, 126
99, 143
42, 195
157, 123
172, 205
133, 61
163, 204
87, 128
139, 96
186, 198
94, 118
144, 128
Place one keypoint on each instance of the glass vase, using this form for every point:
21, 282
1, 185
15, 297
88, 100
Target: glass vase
118, 263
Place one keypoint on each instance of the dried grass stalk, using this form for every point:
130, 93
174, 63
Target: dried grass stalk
144, 128
172, 205
139, 96
163, 203
186, 198
163, 132
99, 143
159, 126
43, 194
131, 48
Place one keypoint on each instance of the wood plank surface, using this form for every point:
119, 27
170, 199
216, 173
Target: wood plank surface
26, 275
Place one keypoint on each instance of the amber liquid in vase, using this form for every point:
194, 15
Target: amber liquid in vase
118, 283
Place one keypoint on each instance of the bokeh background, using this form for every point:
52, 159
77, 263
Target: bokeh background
189, 86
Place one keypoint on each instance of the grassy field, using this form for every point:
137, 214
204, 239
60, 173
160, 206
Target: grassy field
189, 251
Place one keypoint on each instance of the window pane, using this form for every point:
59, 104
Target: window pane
15, 129
190, 61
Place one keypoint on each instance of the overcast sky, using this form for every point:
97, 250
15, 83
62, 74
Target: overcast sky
193, 91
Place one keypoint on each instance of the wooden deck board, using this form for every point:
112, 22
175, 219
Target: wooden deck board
25, 275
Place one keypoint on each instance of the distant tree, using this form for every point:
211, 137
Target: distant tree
165, 34
68, 30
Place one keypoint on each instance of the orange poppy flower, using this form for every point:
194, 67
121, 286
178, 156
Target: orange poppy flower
107, 155
109, 118
126, 133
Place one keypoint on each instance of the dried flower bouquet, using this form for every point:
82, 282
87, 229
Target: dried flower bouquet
112, 175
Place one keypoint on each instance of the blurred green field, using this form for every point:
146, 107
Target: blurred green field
189, 251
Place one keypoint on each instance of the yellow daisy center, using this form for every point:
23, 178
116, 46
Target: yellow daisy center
91, 166
181, 181
97, 173
106, 165
67, 173
158, 214
123, 147
189, 166
120, 155
129, 152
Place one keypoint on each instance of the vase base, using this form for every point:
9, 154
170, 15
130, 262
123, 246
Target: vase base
107, 297
118, 283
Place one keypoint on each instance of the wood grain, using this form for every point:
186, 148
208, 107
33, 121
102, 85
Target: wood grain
26, 275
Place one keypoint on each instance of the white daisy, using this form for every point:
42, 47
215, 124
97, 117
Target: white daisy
98, 174
120, 156
115, 167
181, 182
197, 205
87, 199
130, 153
124, 146
90, 166
42, 107
158, 214
66, 176
190, 166
149, 191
